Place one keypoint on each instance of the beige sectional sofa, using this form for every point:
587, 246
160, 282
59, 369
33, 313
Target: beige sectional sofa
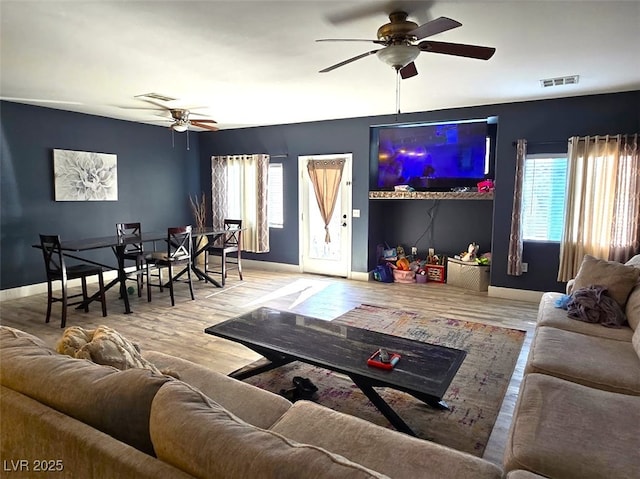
67, 418
578, 409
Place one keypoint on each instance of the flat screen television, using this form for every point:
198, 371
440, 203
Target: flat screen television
432, 156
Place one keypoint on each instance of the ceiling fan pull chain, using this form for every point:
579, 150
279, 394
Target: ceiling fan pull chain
173, 141
187, 139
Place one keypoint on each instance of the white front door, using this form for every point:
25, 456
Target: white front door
317, 256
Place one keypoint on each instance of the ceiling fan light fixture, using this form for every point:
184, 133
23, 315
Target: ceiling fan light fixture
179, 127
398, 56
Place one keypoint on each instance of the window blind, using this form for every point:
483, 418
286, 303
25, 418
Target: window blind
543, 197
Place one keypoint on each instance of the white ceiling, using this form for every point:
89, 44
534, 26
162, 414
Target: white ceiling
256, 62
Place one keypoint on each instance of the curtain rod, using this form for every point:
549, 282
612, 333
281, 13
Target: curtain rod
285, 155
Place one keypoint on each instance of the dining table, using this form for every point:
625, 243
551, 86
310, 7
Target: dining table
72, 248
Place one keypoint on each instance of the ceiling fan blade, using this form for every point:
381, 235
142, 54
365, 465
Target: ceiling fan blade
408, 71
204, 121
204, 124
379, 42
457, 49
338, 65
439, 25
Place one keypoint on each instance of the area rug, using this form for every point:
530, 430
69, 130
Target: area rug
474, 396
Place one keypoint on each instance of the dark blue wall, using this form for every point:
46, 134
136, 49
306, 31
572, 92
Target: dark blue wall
155, 180
545, 124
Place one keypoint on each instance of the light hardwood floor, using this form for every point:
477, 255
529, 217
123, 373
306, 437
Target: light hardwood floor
179, 330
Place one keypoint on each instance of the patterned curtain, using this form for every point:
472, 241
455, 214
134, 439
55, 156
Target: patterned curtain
514, 261
602, 202
218, 191
325, 176
239, 191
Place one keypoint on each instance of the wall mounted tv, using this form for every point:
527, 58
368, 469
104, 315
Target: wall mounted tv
432, 156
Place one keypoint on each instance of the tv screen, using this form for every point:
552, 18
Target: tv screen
432, 157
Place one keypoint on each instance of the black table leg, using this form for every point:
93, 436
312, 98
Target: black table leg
395, 420
434, 402
122, 276
274, 362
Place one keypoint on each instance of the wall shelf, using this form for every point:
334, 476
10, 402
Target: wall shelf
430, 195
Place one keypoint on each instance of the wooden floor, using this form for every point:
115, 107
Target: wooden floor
179, 330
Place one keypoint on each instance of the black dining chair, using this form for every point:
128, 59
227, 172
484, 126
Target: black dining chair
230, 250
178, 253
133, 251
57, 270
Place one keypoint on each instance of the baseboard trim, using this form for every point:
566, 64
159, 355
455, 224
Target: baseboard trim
516, 294
270, 266
295, 268
39, 288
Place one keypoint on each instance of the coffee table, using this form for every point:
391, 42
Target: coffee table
425, 370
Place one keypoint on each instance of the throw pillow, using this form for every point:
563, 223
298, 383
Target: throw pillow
619, 279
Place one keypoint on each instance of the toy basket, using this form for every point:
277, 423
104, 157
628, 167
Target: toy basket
421, 278
401, 276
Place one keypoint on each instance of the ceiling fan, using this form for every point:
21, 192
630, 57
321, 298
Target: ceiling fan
180, 117
181, 121
401, 45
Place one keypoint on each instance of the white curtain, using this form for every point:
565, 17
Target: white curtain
239, 191
602, 201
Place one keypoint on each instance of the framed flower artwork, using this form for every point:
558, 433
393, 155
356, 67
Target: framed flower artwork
85, 176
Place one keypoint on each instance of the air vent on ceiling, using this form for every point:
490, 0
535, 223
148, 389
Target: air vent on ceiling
570, 80
156, 96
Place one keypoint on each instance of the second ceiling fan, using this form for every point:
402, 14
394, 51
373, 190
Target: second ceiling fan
399, 39
181, 117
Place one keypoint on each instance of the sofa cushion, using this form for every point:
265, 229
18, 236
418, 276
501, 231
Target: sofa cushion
636, 341
251, 404
619, 279
635, 261
550, 315
519, 474
632, 308
390, 452
563, 429
587, 360
193, 433
14, 338
32, 431
115, 402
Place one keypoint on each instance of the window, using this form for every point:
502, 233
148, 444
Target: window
234, 196
275, 210
543, 197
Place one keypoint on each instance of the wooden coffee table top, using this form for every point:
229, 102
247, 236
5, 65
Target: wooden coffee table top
424, 369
